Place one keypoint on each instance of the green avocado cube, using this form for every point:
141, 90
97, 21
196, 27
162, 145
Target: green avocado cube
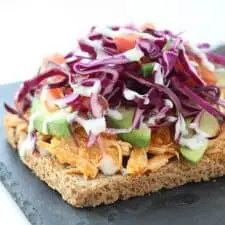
137, 137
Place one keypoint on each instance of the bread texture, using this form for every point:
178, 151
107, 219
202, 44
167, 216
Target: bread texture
107, 189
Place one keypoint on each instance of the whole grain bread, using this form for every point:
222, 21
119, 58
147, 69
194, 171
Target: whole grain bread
107, 189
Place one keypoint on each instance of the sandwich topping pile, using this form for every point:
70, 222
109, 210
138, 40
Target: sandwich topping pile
126, 101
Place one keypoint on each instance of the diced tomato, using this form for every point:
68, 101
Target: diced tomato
53, 93
125, 42
147, 26
55, 58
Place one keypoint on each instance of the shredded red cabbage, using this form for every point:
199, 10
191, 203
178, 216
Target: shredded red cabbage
216, 59
165, 97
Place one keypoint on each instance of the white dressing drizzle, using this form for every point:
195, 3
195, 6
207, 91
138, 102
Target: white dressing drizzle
78, 52
202, 56
168, 103
152, 120
158, 74
115, 114
180, 127
87, 91
97, 45
107, 166
134, 54
94, 126
171, 119
26, 147
196, 142
122, 31
193, 63
130, 95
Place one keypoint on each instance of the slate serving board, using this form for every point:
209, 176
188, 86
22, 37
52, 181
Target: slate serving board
194, 204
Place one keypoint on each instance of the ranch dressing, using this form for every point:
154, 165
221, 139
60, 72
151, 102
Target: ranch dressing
26, 147
196, 142
94, 126
115, 114
203, 57
97, 45
106, 31
134, 54
130, 95
87, 91
180, 127
158, 74
107, 166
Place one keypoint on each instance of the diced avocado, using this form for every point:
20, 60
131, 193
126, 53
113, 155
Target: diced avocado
147, 69
221, 77
50, 124
37, 106
59, 128
193, 156
38, 121
209, 124
137, 137
54, 124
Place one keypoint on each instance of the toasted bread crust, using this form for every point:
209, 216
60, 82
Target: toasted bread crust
107, 189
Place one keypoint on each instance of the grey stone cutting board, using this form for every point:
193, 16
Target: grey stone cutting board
194, 204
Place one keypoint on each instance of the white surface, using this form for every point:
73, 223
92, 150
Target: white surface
30, 29
10, 212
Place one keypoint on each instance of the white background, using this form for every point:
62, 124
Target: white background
30, 29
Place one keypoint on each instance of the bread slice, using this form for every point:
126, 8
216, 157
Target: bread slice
107, 189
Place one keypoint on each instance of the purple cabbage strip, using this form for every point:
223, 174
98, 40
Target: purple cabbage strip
114, 59
116, 72
189, 69
91, 140
87, 48
20, 100
59, 84
179, 127
203, 103
137, 118
168, 61
203, 45
150, 49
10, 109
67, 100
96, 107
30, 84
216, 59
114, 75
